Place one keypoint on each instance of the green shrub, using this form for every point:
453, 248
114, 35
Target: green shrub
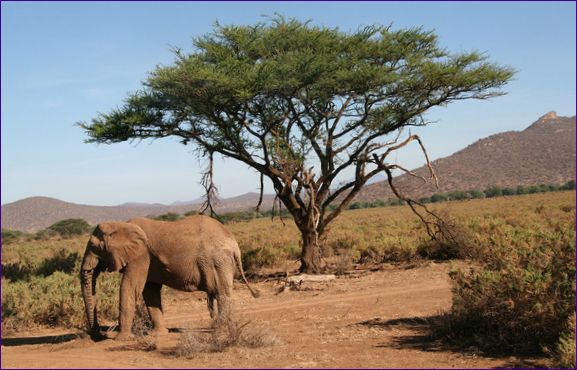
493, 191
355, 205
564, 355
19, 270
522, 190
509, 191
569, 185
438, 198
54, 300
522, 292
241, 216
477, 194
457, 195
253, 259
63, 260
170, 216
69, 227
191, 213
11, 236
44, 234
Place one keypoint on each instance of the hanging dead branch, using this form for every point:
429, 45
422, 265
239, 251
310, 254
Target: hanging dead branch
277, 208
437, 227
257, 208
211, 191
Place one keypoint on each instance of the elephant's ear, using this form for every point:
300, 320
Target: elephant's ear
123, 243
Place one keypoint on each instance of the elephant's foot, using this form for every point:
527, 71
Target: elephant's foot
123, 336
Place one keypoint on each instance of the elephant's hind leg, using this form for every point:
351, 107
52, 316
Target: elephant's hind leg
211, 301
153, 301
224, 307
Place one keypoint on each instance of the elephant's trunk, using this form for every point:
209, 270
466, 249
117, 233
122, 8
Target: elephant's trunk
88, 274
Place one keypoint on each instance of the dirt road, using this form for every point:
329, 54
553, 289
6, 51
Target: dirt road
372, 320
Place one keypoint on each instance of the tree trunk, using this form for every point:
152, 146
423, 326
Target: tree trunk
311, 262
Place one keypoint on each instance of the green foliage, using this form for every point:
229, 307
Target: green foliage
438, 198
170, 216
241, 216
63, 260
259, 66
10, 236
493, 191
54, 300
569, 185
476, 194
522, 292
254, 259
564, 354
70, 227
45, 291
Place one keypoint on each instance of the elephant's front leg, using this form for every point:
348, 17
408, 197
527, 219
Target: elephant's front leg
153, 301
131, 286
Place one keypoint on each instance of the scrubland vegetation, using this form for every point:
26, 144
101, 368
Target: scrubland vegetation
514, 292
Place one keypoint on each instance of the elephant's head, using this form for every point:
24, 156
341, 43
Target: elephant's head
111, 247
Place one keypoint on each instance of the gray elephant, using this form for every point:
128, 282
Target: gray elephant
196, 253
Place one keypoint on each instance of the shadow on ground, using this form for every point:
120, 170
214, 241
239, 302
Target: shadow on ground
424, 336
47, 339
63, 338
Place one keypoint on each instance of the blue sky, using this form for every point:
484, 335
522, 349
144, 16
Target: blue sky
62, 62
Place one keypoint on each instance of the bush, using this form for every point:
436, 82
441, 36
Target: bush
11, 236
438, 198
241, 216
493, 191
355, 205
254, 259
457, 195
170, 216
569, 185
63, 261
509, 191
53, 301
564, 355
476, 194
521, 294
225, 335
69, 227
47, 293
19, 270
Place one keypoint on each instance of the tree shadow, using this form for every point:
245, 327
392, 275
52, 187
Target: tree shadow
425, 335
47, 339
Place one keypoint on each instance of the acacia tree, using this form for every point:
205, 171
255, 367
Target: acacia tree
302, 105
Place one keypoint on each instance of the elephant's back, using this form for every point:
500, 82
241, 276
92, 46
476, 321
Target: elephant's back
193, 237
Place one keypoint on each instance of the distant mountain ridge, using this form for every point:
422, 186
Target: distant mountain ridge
542, 153
36, 213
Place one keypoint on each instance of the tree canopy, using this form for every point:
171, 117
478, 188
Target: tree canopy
301, 104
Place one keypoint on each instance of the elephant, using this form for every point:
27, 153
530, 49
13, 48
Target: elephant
195, 253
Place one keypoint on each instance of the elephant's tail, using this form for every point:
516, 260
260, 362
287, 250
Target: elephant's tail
255, 293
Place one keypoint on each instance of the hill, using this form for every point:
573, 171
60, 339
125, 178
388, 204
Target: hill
543, 153
36, 213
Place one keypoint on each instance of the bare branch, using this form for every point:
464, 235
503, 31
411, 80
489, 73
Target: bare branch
411, 173
211, 191
261, 193
436, 227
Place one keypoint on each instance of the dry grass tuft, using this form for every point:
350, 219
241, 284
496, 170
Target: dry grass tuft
226, 335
